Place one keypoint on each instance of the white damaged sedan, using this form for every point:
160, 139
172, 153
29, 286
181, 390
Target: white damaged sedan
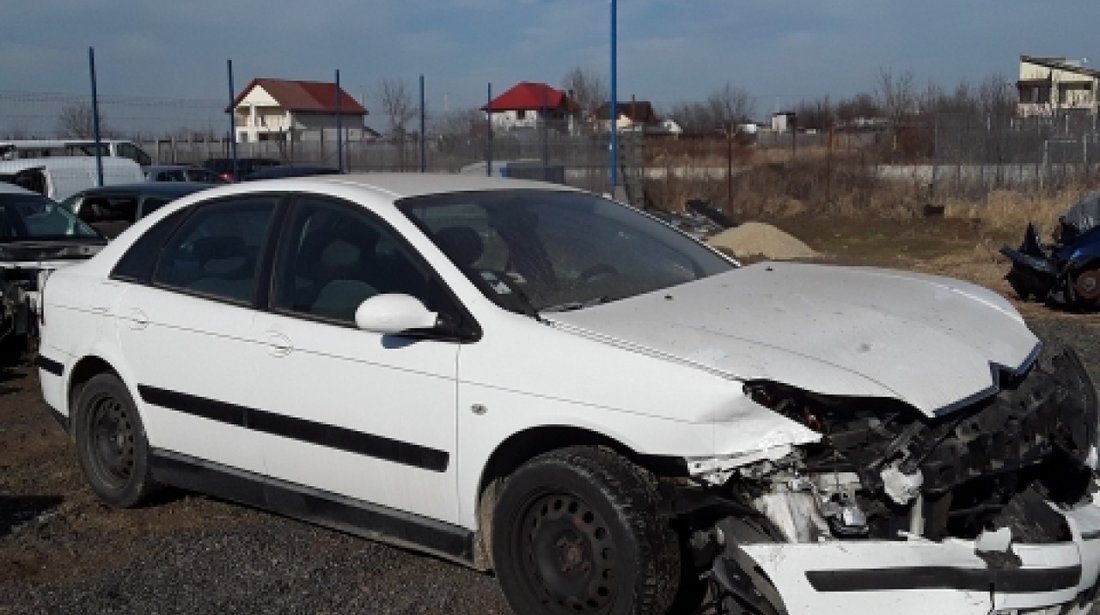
612, 417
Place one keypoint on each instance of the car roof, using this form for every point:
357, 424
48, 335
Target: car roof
404, 185
290, 170
6, 188
173, 167
149, 188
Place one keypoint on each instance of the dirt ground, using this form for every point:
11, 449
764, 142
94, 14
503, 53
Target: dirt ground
61, 551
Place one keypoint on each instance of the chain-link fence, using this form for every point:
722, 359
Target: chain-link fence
935, 156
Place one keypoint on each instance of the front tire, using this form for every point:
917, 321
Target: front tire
577, 530
111, 444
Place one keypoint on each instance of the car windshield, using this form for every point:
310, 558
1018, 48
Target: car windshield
30, 217
550, 250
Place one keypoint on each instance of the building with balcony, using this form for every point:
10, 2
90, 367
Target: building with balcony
285, 110
1054, 86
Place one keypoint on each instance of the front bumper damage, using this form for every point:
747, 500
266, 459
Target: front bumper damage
993, 509
915, 575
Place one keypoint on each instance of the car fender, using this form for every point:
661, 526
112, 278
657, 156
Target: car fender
648, 405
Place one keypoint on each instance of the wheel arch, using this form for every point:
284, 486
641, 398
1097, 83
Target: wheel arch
527, 444
83, 371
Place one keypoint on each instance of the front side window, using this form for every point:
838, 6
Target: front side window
547, 250
135, 153
334, 256
217, 250
27, 217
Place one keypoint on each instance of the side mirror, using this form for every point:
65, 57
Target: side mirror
393, 313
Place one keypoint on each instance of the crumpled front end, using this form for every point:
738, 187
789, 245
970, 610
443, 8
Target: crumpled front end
985, 509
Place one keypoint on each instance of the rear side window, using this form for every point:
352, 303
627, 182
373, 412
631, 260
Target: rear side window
97, 209
138, 262
216, 251
152, 204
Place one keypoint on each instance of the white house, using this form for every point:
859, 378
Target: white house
284, 110
1048, 86
533, 105
634, 115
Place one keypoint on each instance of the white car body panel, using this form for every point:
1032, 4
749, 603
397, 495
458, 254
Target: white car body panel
209, 338
837, 335
366, 382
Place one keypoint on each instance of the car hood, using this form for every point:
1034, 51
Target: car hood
934, 343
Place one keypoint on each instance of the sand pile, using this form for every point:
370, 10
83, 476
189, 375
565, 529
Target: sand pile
759, 239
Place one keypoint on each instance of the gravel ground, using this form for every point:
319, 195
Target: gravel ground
63, 552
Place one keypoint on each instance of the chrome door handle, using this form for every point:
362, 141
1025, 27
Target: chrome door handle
278, 344
138, 319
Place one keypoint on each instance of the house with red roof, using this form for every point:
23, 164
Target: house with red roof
533, 105
285, 110
634, 116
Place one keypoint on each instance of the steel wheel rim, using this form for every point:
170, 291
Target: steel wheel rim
112, 441
567, 554
1088, 285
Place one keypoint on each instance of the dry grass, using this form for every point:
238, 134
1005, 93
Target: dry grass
770, 183
1013, 210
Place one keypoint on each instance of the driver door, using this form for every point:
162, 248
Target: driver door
361, 415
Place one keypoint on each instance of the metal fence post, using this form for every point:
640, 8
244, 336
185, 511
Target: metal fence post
95, 120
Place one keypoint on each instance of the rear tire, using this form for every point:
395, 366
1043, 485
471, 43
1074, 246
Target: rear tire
111, 444
577, 530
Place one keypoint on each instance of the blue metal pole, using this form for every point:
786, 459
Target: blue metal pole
489, 132
339, 127
232, 120
613, 110
423, 149
95, 120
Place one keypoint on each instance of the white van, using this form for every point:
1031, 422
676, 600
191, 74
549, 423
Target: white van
49, 148
62, 176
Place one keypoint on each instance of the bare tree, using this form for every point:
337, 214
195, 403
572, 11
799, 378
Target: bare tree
76, 121
730, 106
396, 101
996, 96
694, 117
587, 88
860, 106
460, 123
896, 94
722, 111
818, 114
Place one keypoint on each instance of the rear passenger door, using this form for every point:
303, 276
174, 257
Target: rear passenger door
183, 325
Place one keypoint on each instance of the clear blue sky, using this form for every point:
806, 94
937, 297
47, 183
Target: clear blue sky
670, 50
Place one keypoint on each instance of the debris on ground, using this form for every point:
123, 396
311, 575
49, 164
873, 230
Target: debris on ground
760, 239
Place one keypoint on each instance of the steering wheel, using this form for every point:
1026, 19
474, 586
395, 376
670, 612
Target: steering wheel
595, 273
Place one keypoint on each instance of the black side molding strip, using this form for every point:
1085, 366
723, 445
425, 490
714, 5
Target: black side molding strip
49, 365
57, 416
405, 453
314, 506
1019, 580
